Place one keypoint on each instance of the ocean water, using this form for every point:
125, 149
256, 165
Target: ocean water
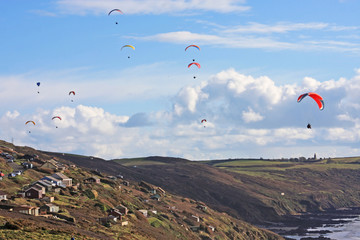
344, 231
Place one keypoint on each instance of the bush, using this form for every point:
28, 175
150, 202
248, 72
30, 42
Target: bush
89, 194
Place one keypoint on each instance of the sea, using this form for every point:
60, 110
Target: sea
349, 229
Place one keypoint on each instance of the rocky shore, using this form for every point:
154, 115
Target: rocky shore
303, 224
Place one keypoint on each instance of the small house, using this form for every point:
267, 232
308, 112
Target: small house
155, 197
144, 212
65, 180
49, 165
39, 187
27, 210
201, 207
197, 219
33, 193
53, 180
161, 191
46, 184
49, 208
126, 183
108, 220
92, 180
11, 175
115, 212
3, 196
27, 165
122, 209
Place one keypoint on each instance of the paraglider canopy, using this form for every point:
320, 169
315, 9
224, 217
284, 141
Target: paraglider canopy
318, 99
30, 122
204, 120
194, 63
130, 46
115, 10
195, 46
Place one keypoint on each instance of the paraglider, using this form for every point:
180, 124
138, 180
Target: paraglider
196, 64
30, 122
56, 117
73, 93
38, 84
126, 46
203, 122
115, 10
318, 99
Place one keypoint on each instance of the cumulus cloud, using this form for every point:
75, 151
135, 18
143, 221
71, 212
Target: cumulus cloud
246, 117
251, 116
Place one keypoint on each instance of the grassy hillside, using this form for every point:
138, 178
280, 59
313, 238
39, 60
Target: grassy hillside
172, 217
255, 190
262, 190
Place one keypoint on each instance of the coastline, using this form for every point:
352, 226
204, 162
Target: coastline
314, 225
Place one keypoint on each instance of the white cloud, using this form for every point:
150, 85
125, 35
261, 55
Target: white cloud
254, 27
82, 7
251, 116
12, 115
246, 117
310, 84
312, 36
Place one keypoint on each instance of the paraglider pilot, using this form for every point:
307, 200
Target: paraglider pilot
309, 126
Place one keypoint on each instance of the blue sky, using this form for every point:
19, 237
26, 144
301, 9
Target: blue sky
256, 58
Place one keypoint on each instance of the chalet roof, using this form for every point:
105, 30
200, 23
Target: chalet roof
3, 193
52, 178
60, 176
44, 183
156, 196
33, 188
38, 186
25, 207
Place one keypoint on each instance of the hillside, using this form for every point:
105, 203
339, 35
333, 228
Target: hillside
163, 215
254, 190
